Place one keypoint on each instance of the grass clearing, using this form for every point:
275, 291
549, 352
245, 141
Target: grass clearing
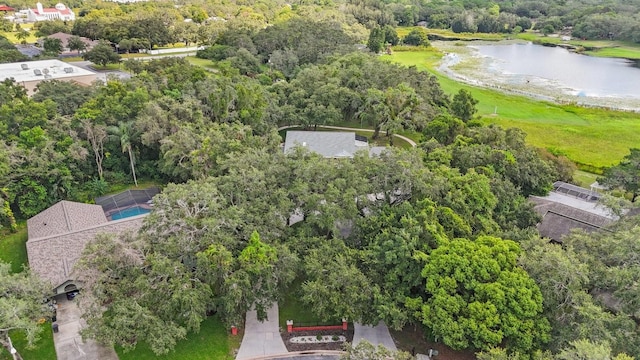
588, 136
205, 63
43, 349
11, 36
212, 342
584, 179
13, 247
616, 52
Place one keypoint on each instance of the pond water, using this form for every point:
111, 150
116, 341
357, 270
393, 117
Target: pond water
575, 74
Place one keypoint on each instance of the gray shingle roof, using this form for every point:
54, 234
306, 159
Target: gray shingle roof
326, 143
57, 236
559, 219
64, 217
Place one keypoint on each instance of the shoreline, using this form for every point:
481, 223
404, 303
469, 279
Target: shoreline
464, 64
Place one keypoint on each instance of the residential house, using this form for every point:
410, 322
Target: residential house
329, 144
58, 235
64, 39
570, 207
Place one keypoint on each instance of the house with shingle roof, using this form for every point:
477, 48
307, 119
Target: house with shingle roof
329, 144
64, 40
57, 237
570, 207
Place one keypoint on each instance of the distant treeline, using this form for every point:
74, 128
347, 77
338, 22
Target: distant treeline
613, 20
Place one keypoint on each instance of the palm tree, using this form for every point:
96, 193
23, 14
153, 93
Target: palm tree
123, 133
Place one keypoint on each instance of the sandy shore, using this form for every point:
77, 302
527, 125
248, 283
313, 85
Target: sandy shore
463, 63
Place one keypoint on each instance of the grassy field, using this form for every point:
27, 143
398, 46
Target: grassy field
212, 342
11, 36
205, 63
589, 137
44, 349
13, 249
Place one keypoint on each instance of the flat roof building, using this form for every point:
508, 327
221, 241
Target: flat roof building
31, 73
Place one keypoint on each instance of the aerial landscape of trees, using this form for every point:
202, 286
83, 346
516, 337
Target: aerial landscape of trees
439, 236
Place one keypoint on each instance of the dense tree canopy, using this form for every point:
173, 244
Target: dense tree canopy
411, 236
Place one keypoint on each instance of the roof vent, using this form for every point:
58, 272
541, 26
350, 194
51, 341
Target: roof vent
45, 71
24, 66
37, 72
68, 70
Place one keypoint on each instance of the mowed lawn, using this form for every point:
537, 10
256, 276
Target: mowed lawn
593, 137
13, 248
212, 342
43, 349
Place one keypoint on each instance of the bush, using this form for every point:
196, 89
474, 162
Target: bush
217, 52
319, 337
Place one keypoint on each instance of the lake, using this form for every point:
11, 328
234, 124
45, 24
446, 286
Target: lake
579, 75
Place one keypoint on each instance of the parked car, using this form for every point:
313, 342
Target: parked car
72, 294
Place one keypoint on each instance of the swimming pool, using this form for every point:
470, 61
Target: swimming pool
132, 211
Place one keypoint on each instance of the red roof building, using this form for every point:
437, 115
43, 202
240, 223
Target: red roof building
6, 8
59, 12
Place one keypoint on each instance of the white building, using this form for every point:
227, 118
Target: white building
30, 73
60, 12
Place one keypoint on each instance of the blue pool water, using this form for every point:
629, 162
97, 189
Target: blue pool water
132, 211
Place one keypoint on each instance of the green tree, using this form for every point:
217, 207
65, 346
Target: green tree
149, 297
76, 43
21, 306
472, 288
335, 288
376, 40
52, 46
625, 175
417, 37
22, 35
463, 105
126, 45
390, 35
123, 134
68, 96
102, 54
586, 350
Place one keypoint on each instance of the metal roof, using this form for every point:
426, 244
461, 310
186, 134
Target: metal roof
326, 143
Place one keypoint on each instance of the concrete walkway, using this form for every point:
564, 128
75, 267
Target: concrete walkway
261, 338
68, 343
376, 335
411, 142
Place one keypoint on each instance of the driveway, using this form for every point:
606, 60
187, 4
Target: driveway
376, 335
68, 343
261, 338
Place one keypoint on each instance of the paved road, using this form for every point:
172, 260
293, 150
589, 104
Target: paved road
261, 338
68, 343
413, 143
376, 335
